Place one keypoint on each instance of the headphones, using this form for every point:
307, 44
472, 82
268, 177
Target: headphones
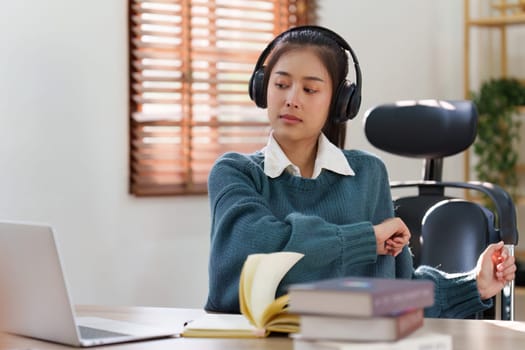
346, 99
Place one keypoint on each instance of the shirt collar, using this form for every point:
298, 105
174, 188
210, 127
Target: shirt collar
328, 157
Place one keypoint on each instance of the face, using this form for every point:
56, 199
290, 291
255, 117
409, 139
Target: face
299, 96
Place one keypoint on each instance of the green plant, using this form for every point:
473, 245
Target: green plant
498, 131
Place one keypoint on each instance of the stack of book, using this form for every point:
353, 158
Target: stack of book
338, 314
372, 313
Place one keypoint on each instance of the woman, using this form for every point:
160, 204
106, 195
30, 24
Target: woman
304, 193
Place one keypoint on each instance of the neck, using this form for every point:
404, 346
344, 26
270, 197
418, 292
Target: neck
302, 155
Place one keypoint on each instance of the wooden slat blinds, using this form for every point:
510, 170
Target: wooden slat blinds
190, 62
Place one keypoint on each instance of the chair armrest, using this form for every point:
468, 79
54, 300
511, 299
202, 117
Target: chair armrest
505, 209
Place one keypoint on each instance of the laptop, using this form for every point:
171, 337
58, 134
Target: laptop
35, 298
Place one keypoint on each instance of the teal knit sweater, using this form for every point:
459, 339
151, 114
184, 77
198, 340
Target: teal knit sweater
329, 219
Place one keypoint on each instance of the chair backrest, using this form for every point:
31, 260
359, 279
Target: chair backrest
447, 232
428, 129
412, 210
457, 247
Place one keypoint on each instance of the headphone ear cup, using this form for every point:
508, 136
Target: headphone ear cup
257, 89
354, 103
344, 104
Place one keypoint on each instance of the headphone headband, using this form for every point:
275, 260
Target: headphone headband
347, 98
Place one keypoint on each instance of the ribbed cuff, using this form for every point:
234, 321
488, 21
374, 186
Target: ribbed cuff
463, 296
358, 244
457, 295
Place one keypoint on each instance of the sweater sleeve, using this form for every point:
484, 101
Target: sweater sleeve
243, 223
456, 295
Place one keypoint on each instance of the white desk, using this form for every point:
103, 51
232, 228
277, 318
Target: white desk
467, 334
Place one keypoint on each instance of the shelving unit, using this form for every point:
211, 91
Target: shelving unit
503, 15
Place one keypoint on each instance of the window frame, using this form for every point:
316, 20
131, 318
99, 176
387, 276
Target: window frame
174, 167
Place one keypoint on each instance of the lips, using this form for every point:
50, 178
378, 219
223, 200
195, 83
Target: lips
290, 118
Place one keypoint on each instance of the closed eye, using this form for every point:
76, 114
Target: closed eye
281, 85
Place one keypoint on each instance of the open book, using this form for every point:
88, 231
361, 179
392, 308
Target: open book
261, 312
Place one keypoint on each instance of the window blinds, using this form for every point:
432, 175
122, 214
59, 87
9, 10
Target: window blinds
190, 62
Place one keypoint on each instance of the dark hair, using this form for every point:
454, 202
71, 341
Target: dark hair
333, 57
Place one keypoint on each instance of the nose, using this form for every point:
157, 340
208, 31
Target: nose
292, 99
291, 105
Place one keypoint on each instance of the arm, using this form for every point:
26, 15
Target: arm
463, 294
456, 295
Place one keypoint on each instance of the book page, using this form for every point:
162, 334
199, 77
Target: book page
245, 285
277, 319
266, 278
221, 326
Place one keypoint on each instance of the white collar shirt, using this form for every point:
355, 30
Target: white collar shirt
328, 157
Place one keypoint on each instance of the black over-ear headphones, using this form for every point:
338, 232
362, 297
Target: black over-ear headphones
346, 100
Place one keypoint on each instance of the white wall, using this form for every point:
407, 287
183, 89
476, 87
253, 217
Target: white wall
407, 49
63, 158
64, 134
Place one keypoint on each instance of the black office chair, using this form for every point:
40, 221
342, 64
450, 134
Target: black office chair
448, 232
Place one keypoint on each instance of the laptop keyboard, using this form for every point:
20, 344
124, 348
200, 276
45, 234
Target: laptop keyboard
94, 333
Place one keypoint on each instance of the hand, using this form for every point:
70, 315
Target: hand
391, 236
494, 269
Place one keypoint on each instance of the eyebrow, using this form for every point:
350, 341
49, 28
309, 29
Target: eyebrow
314, 78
